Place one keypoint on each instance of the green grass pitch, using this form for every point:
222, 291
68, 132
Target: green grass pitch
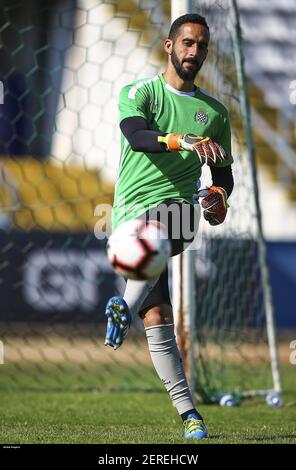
89, 416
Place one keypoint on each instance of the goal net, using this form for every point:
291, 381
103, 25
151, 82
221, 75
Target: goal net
63, 63
232, 350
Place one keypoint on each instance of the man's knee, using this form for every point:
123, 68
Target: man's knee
157, 315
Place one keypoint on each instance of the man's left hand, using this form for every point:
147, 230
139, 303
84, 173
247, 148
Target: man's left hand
214, 203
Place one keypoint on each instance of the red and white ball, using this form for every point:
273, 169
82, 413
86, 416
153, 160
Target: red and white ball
138, 249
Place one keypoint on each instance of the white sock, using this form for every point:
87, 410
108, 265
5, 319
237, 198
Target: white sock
168, 365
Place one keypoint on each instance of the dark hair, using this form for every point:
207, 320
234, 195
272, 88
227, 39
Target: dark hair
189, 18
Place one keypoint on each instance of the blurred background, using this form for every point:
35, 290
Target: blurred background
62, 65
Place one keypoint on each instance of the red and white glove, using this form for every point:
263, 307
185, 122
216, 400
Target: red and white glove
214, 203
207, 150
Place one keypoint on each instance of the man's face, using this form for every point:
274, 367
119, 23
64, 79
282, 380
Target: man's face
189, 50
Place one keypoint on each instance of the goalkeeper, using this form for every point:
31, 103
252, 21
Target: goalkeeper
170, 128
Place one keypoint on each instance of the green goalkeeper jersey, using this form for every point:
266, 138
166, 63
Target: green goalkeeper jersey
147, 179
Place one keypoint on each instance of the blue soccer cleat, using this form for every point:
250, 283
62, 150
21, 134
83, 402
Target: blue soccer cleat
119, 319
195, 428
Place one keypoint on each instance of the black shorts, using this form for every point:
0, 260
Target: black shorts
181, 220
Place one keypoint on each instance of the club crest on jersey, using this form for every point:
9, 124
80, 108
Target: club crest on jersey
201, 117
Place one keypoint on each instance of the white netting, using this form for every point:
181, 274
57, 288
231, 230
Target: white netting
72, 59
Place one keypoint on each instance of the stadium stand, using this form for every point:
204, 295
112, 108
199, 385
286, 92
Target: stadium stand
270, 57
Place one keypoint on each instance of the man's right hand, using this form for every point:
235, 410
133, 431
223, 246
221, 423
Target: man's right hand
207, 150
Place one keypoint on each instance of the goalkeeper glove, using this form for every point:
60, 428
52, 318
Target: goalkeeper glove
214, 204
208, 151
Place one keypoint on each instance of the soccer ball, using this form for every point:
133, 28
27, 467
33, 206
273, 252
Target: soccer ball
228, 400
274, 399
139, 250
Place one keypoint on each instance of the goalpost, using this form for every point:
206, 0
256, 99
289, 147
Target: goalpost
183, 285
